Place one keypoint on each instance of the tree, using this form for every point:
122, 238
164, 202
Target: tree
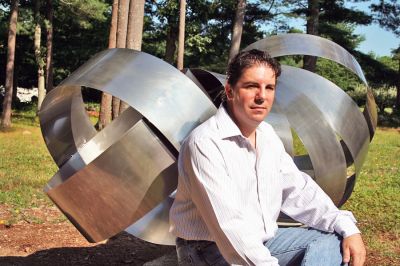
170, 11
49, 45
207, 27
181, 43
122, 25
81, 30
387, 14
135, 25
38, 55
237, 28
334, 20
134, 32
12, 36
396, 56
310, 62
105, 115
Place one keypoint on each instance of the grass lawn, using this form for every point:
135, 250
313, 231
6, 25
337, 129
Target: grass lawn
376, 197
25, 166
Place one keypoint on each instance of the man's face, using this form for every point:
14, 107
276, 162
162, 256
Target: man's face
251, 98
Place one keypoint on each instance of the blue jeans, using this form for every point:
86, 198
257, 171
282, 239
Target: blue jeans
291, 246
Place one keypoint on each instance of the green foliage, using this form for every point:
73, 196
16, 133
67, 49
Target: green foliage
208, 30
341, 33
86, 11
336, 21
387, 14
377, 72
385, 98
75, 42
80, 30
338, 74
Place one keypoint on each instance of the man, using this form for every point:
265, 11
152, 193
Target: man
235, 177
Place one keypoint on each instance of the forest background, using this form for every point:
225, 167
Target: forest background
72, 31
42, 42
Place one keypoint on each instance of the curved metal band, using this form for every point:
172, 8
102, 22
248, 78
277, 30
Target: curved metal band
131, 156
308, 121
305, 44
338, 109
126, 174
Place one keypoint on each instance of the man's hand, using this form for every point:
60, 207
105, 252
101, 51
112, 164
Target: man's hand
353, 247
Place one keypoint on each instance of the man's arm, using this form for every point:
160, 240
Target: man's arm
306, 202
216, 198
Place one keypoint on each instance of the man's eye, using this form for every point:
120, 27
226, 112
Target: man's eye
251, 87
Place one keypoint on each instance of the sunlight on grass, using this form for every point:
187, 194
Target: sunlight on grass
376, 199
25, 166
298, 146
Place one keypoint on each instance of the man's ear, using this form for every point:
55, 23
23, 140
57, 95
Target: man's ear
228, 91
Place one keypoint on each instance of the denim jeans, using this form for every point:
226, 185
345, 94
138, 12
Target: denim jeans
291, 246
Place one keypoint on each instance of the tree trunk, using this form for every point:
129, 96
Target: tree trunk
38, 55
134, 33
237, 28
310, 62
12, 35
49, 44
106, 99
170, 46
112, 39
181, 42
397, 104
135, 25
123, 9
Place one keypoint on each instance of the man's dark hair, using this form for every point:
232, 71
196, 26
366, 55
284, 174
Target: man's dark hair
246, 59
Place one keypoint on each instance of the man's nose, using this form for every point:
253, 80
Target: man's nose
260, 96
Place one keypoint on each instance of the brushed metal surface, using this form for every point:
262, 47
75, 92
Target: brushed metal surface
124, 176
112, 178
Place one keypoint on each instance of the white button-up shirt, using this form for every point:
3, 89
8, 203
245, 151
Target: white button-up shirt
231, 193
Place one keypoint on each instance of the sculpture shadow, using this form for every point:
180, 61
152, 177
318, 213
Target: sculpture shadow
122, 249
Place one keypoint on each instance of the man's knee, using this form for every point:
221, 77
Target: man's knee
324, 249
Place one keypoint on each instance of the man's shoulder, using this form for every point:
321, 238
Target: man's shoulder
270, 133
266, 128
206, 131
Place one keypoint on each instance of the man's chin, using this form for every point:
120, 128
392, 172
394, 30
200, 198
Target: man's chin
258, 119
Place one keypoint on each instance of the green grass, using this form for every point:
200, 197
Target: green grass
376, 198
25, 167
25, 163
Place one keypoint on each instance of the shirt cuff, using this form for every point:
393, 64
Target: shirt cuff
346, 225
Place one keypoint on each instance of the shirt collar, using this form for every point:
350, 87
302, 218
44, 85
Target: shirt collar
227, 127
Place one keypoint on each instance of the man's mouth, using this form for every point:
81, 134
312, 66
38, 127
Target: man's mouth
258, 108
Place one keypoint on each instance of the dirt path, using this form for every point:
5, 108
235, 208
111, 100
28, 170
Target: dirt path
43, 237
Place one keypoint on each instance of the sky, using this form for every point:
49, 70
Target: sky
377, 39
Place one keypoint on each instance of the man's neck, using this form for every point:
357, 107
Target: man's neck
248, 131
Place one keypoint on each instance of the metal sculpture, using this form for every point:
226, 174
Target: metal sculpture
124, 176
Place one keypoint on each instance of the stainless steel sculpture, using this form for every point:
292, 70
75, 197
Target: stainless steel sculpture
124, 176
